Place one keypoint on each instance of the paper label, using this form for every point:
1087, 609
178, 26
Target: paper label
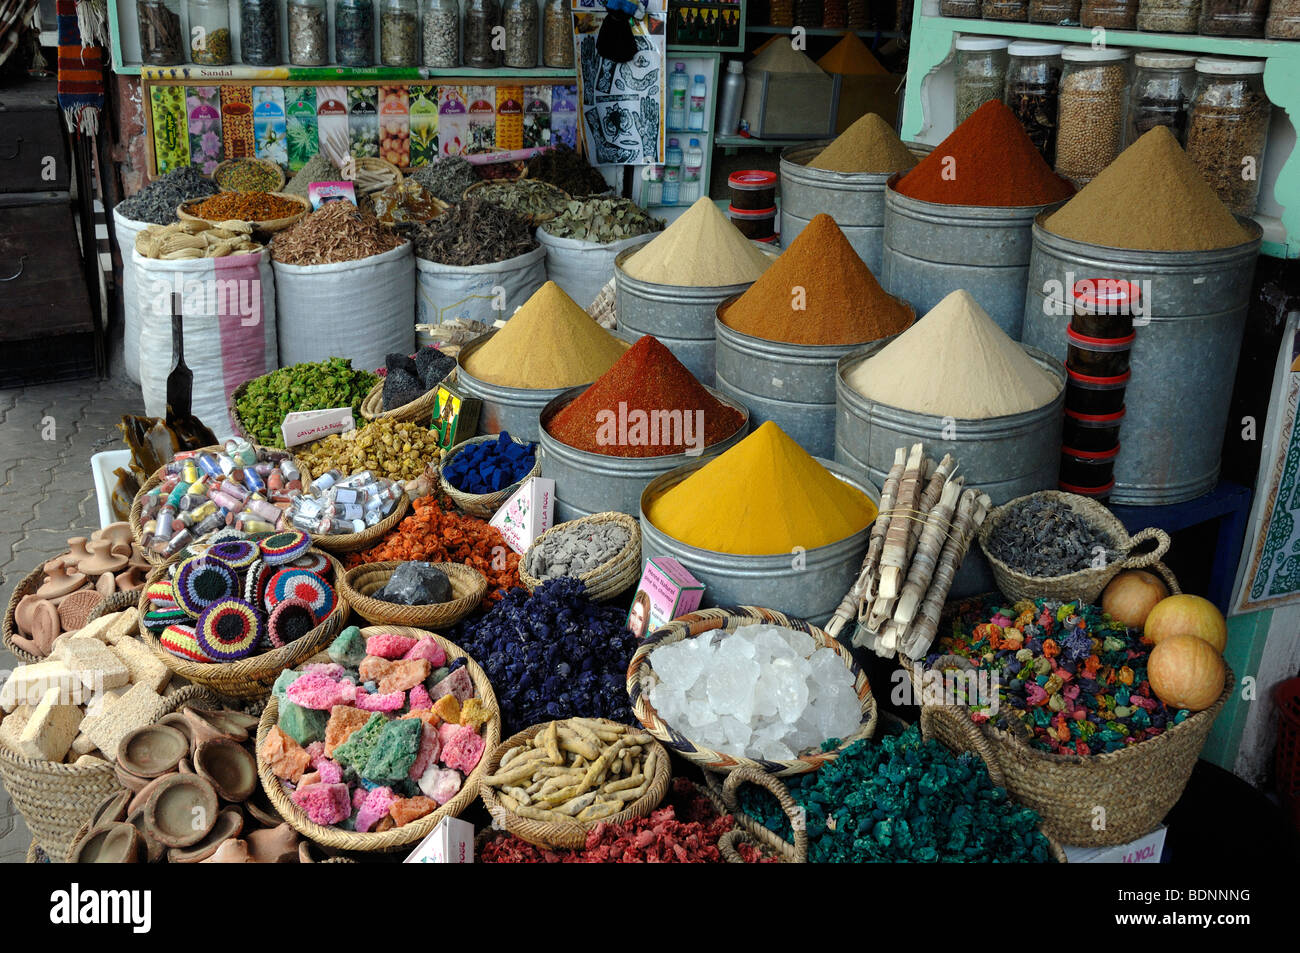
527, 514
667, 590
305, 426
451, 842
321, 193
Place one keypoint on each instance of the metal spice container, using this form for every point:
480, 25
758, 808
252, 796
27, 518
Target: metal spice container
520, 18
1005, 10
210, 32
481, 16
1090, 114
259, 32
1168, 16
1228, 128
1283, 20
557, 35
399, 33
1110, 14
981, 73
1162, 89
308, 44
1054, 12
354, 32
159, 24
1032, 88
442, 34
1233, 17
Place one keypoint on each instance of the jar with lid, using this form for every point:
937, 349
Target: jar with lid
520, 19
399, 33
1032, 88
1168, 16
968, 9
1233, 17
557, 35
442, 33
1162, 87
1090, 113
481, 17
308, 33
1005, 10
259, 32
1227, 128
1283, 21
354, 32
210, 32
981, 72
1054, 12
1110, 14
162, 41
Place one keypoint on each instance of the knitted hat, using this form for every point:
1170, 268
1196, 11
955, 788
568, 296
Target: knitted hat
304, 585
290, 620
229, 629
202, 581
235, 553
179, 640
159, 619
315, 562
161, 594
281, 548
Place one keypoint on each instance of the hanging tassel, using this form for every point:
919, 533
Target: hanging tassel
92, 22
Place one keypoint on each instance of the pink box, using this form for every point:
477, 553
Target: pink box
666, 591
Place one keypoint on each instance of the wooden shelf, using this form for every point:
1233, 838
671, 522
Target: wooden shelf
823, 31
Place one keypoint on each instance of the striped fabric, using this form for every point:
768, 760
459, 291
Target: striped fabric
81, 74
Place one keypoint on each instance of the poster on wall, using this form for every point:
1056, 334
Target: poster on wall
622, 104
1268, 575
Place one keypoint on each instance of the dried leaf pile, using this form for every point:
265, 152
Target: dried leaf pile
333, 233
196, 240
603, 220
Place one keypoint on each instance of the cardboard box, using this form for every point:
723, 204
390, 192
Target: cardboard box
451, 842
455, 417
527, 514
1145, 850
667, 590
304, 426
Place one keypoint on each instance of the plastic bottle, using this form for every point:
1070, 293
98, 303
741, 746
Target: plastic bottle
731, 99
693, 161
699, 94
678, 83
673, 173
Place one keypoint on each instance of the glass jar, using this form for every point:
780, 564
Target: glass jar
1283, 21
981, 73
1032, 87
1162, 87
480, 18
259, 32
308, 34
1233, 17
399, 33
1090, 113
354, 32
162, 41
210, 32
520, 18
442, 33
968, 9
1054, 12
557, 35
1227, 128
1005, 10
1168, 16
1110, 14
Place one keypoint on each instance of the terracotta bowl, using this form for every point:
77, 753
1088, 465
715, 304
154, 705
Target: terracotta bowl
153, 750
230, 823
116, 843
228, 767
181, 810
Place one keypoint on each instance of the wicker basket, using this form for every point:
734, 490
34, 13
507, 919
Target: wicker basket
27, 585
250, 677
468, 586
399, 837
640, 677
483, 505
351, 542
418, 411
379, 166
268, 226
267, 164
572, 834
1086, 584
117, 602
610, 578
533, 220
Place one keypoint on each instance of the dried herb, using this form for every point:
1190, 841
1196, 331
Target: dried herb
1229, 125
244, 207
354, 33
566, 169
259, 32
1045, 538
335, 232
475, 232
160, 33
318, 386
156, 203
214, 50
308, 45
247, 175
319, 168
441, 37
1032, 96
537, 201
448, 178
399, 38
520, 21
603, 220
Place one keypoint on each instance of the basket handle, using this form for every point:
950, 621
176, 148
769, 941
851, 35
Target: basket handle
1167, 574
748, 775
1142, 560
952, 727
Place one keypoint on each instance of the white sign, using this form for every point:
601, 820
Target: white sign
451, 842
304, 426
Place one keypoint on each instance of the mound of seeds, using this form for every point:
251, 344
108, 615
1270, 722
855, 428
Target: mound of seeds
1043, 537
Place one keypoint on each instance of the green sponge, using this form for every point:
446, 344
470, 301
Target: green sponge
349, 648
392, 757
303, 725
356, 751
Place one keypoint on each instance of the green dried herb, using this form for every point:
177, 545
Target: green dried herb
603, 221
329, 383
536, 201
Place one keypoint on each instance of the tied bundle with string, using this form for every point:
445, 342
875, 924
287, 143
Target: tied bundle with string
925, 525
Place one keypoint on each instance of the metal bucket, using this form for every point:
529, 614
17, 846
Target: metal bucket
932, 250
587, 483
680, 316
1183, 363
792, 385
812, 591
856, 200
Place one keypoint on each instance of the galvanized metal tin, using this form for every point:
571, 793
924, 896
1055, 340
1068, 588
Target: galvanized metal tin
587, 483
515, 409
792, 385
1183, 363
680, 316
807, 584
856, 200
932, 250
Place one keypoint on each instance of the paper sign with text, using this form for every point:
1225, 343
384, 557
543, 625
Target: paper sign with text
305, 426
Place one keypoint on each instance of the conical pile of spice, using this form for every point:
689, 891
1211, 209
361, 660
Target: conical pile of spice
657, 397
764, 496
869, 145
782, 57
851, 57
1151, 198
987, 160
549, 342
955, 362
818, 292
702, 249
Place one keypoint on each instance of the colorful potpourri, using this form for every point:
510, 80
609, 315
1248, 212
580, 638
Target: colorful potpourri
1071, 680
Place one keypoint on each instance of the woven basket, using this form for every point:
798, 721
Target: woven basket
117, 602
418, 411
250, 677
483, 505
611, 577
267, 164
640, 677
375, 164
468, 586
533, 220
351, 542
559, 834
56, 799
268, 225
27, 585
604, 310
1086, 584
399, 837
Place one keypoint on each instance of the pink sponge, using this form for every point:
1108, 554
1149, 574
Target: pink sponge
330, 772
428, 753
323, 803
427, 648
393, 701
462, 749
329, 669
419, 698
315, 751
320, 692
358, 797
457, 683
375, 806
440, 784
389, 645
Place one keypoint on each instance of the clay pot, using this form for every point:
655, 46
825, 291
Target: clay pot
45, 627
60, 582
231, 851
201, 729
102, 559
138, 561
76, 607
230, 823
272, 845
228, 766
174, 719
260, 810
77, 551
26, 644
152, 750
115, 843
106, 585
132, 782
110, 810
115, 533
154, 851
181, 810
185, 767
233, 724
304, 853
141, 797
25, 611
132, 579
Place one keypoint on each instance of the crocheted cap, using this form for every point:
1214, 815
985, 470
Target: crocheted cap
159, 619
291, 619
315, 562
161, 594
280, 548
202, 581
302, 584
179, 640
229, 629
235, 553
